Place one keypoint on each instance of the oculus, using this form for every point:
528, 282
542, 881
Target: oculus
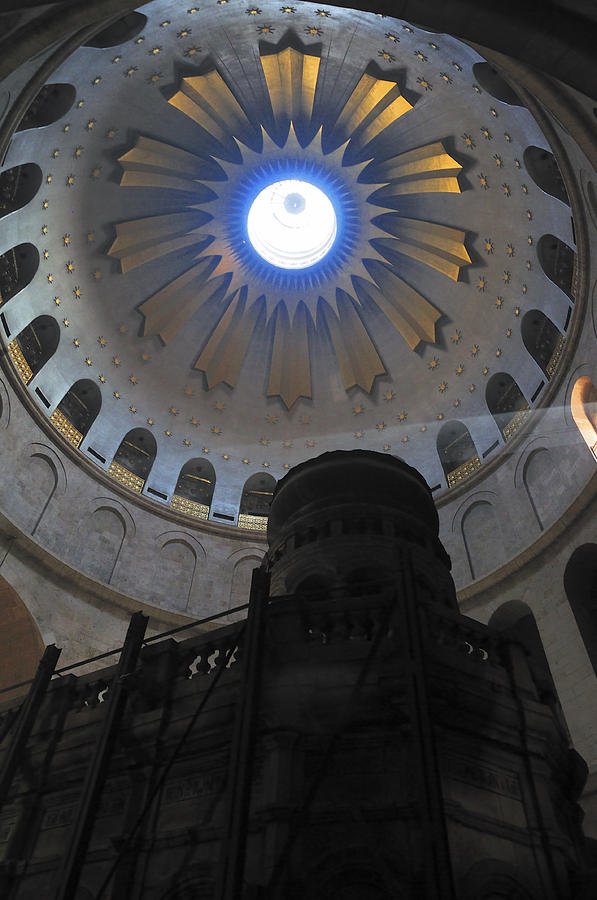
292, 224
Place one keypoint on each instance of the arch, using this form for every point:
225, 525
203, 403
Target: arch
38, 480
542, 167
492, 81
583, 405
33, 346
580, 585
256, 500
557, 260
544, 484
4, 405
542, 339
17, 268
18, 186
174, 572
493, 879
102, 535
119, 32
77, 410
195, 488
21, 642
506, 403
51, 103
457, 452
242, 573
134, 458
482, 538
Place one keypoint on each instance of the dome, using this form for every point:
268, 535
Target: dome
407, 308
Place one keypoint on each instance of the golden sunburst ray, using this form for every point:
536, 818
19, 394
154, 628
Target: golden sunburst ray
373, 105
290, 370
208, 101
356, 354
226, 269
168, 311
291, 79
409, 312
223, 355
425, 169
438, 246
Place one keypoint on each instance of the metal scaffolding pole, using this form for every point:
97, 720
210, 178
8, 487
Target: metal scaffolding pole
26, 718
233, 848
74, 857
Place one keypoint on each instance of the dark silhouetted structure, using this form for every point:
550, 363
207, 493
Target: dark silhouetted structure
355, 737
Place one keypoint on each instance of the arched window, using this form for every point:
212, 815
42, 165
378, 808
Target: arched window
542, 339
77, 411
17, 268
52, 102
583, 405
506, 403
457, 452
255, 501
124, 29
134, 458
492, 82
33, 346
557, 261
195, 488
18, 186
543, 169
580, 584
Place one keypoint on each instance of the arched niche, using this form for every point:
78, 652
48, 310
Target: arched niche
101, 536
544, 483
38, 480
52, 102
557, 261
33, 346
493, 83
482, 538
457, 452
255, 501
194, 488
506, 403
18, 186
134, 458
119, 32
583, 405
543, 340
242, 573
21, 644
175, 567
17, 267
580, 584
543, 169
77, 410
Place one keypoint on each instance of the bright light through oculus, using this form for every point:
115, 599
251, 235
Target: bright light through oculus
292, 224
